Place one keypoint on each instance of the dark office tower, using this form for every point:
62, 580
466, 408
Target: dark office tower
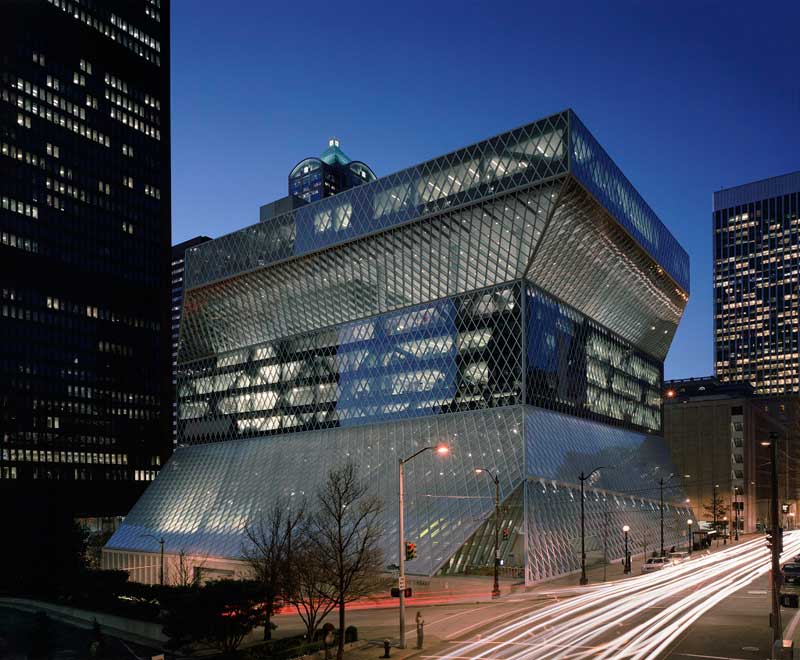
756, 289
178, 263
315, 178
84, 251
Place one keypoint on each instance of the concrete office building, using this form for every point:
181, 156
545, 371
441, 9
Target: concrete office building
714, 431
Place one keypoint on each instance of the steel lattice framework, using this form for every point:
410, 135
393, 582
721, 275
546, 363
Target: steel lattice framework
515, 299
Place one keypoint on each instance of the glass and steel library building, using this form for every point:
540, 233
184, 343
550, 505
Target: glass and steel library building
514, 299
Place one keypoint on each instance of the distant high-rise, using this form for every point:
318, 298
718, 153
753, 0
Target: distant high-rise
178, 264
84, 251
315, 178
756, 289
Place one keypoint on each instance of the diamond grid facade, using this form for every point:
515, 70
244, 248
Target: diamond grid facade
515, 299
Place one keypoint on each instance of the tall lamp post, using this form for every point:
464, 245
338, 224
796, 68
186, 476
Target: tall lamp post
160, 541
661, 483
584, 477
736, 513
775, 573
496, 479
401, 581
691, 534
627, 569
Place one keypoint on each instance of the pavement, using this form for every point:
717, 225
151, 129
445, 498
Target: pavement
59, 641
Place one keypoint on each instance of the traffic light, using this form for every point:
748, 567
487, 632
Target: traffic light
411, 551
775, 541
505, 534
396, 592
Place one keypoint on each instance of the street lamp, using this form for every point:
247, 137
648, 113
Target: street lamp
442, 450
627, 568
691, 534
160, 541
584, 477
496, 478
661, 483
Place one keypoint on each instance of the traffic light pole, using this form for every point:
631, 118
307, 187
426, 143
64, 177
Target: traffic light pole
661, 483
775, 574
402, 563
496, 586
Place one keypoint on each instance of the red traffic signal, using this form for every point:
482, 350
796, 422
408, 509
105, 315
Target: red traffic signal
396, 592
505, 533
411, 551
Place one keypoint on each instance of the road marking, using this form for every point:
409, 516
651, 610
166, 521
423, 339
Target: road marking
459, 613
487, 622
711, 657
788, 632
759, 592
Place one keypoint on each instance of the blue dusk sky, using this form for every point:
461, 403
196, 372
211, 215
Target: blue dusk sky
687, 97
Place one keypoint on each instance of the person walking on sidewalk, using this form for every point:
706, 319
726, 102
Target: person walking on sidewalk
420, 629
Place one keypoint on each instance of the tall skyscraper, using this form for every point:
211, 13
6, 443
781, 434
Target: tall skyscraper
84, 250
756, 284
176, 304
514, 299
333, 172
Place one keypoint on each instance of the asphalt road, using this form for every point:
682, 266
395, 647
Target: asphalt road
712, 607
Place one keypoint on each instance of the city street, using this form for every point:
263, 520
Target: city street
712, 606
641, 617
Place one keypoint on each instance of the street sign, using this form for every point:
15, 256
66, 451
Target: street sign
401, 582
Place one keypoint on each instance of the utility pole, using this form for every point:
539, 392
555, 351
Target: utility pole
736, 512
661, 483
401, 580
583, 477
627, 566
605, 539
442, 450
496, 479
160, 541
714, 507
161, 567
775, 574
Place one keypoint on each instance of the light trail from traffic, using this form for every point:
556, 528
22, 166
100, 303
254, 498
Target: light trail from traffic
588, 625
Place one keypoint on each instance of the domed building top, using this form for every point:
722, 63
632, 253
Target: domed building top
315, 178
334, 154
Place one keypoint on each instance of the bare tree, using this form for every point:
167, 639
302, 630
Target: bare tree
345, 531
186, 569
313, 593
268, 551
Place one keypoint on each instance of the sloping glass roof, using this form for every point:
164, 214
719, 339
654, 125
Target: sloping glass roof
558, 145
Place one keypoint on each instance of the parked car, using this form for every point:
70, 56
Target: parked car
678, 557
791, 572
656, 564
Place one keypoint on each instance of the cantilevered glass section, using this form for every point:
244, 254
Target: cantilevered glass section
553, 146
